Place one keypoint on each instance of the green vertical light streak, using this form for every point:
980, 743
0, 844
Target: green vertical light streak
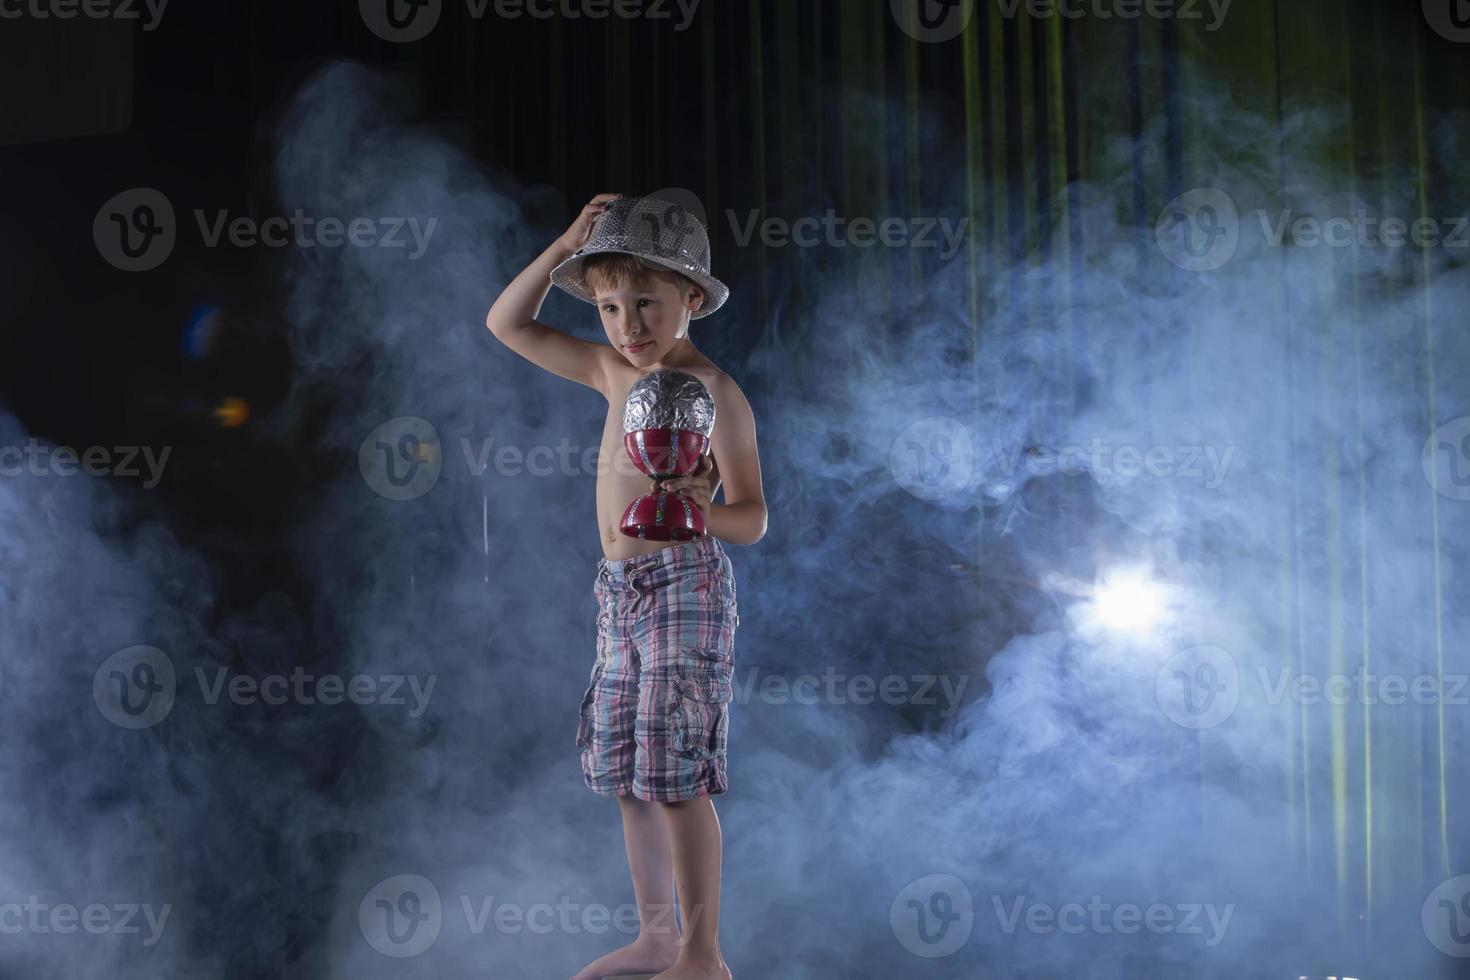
996, 189
1363, 567
1417, 69
1060, 205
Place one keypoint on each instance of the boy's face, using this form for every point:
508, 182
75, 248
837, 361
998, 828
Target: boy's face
651, 317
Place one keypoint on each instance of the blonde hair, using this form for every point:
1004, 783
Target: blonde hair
612, 269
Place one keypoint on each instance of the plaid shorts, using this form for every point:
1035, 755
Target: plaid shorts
655, 718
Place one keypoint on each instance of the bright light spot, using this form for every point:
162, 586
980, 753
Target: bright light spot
1128, 603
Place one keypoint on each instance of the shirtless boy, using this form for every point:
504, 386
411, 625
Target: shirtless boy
654, 720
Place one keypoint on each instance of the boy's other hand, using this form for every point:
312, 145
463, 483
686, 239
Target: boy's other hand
696, 485
576, 236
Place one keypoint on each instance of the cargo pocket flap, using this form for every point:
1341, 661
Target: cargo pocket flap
710, 685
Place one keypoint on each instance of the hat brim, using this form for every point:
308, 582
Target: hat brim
568, 276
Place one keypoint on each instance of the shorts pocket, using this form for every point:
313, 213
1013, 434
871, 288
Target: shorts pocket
701, 723
727, 591
702, 580
713, 583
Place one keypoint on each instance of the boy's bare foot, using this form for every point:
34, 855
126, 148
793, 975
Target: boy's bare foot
642, 955
690, 968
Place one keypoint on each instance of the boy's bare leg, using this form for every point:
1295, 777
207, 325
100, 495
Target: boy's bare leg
646, 834
694, 831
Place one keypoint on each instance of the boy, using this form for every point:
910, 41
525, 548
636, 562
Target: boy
654, 719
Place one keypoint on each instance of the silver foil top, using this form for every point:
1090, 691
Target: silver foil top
669, 399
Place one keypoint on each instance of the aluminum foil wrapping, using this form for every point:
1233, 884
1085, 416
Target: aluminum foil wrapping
669, 399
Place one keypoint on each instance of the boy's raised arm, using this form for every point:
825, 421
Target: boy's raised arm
512, 318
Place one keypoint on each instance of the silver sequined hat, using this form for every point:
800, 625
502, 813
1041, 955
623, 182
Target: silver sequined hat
660, 233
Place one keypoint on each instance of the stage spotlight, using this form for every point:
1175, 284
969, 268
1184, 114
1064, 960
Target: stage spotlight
1128, 602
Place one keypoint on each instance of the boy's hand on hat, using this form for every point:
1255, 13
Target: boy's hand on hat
576, 236
696, 486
